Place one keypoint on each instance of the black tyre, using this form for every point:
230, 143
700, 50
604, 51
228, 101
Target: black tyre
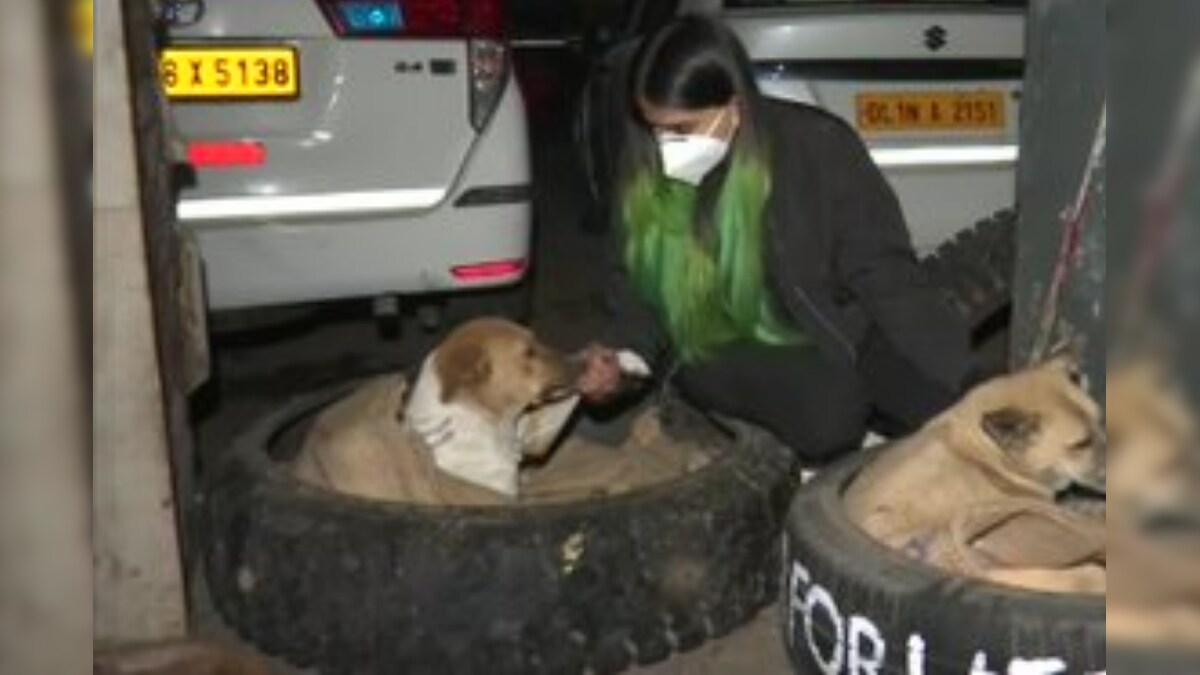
976, 270
852, 605
599, 128
364, 587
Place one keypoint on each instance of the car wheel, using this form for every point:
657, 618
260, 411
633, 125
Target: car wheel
599, 127
852, 605
355, 586
976, 270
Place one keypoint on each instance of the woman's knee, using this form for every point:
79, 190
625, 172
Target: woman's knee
816, 406
816, 427
826, 435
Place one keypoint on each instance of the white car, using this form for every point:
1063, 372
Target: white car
934, 89
349, 148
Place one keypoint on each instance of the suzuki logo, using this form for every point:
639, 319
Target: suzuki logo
181, 13
936, 37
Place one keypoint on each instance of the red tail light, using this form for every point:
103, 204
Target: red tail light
415, 18
226, 154
489, 271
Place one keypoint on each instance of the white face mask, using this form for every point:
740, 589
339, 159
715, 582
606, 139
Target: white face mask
690, 157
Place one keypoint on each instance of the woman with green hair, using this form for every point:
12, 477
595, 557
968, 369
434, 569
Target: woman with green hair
762, 261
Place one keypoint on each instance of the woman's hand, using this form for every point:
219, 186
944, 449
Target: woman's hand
601, 377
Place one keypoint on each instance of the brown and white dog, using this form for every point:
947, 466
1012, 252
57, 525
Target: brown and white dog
488, 397
1019, 438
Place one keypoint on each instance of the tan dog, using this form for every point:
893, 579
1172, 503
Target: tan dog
487, 397
1154, 440
1154, 480
1024, 436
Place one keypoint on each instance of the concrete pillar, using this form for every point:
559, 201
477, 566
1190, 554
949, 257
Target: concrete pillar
45, 606
139, 592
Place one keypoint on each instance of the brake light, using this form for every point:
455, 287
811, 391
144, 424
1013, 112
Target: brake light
489, 271
415, 18
226, 154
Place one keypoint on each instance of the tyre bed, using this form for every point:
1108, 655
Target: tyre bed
360, 587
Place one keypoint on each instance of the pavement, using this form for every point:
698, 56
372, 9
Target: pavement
262, 357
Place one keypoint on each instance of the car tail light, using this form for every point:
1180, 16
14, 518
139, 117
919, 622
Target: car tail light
489, 73
226, 154
415, 18
489, 271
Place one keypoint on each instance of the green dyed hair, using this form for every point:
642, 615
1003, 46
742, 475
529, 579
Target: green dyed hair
709, 292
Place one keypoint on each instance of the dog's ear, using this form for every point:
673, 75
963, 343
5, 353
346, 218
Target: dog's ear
1011, 429
462, 366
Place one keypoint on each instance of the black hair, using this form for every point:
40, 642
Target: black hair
692, 63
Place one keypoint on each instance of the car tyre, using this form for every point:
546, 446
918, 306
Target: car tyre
849, 599
362, 587
599, 128
975, 268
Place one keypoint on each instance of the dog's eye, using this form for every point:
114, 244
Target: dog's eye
530, 352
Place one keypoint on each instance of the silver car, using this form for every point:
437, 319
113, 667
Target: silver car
347, 148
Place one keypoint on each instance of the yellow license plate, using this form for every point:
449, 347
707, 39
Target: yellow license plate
82, 22
203, 73
930, 111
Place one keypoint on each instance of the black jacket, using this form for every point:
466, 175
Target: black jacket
839, 256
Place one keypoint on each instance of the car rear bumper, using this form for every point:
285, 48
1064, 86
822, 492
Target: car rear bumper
280, 263
270, 250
